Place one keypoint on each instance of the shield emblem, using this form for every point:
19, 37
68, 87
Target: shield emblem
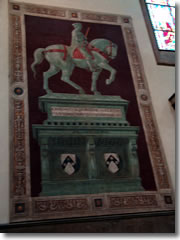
68, 163
112, 162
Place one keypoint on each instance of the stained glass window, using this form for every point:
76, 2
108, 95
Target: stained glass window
162, 15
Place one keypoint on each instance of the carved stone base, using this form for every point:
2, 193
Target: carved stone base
88, 149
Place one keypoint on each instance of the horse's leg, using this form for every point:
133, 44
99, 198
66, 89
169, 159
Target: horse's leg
95, 76
112, 71
46, 75
66, 78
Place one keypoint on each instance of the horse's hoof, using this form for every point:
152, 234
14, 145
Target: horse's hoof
81, 92
48, 91
108, 81
97, 93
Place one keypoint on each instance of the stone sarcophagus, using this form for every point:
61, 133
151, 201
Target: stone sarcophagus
87, 146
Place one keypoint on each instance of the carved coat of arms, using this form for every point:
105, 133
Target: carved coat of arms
68, 163
112, 162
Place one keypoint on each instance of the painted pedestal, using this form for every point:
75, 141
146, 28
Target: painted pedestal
87, 145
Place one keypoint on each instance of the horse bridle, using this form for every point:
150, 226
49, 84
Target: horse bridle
105, 55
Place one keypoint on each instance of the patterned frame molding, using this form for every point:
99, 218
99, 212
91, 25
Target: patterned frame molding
23, 206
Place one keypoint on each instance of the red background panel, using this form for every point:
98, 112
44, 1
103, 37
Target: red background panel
42, 32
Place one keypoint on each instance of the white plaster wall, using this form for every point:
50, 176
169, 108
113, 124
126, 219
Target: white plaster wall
161, 81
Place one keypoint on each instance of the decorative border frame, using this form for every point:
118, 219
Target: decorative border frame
26, 208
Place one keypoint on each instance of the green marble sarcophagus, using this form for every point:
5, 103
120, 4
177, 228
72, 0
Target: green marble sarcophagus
87, 145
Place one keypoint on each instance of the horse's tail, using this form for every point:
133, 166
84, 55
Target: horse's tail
38, 58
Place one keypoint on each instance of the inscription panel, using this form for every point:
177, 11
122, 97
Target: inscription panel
98, 17
133, 201
46, 11
56, 205
90, 112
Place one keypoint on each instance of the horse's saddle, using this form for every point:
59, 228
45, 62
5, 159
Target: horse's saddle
77, 54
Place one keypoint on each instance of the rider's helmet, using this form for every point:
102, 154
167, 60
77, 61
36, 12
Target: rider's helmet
77, 25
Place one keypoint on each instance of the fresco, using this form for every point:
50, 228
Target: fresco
84, 136
121, 86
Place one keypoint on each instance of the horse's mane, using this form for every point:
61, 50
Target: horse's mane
100, 43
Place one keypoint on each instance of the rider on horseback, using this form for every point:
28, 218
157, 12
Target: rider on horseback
66, 58
79, 40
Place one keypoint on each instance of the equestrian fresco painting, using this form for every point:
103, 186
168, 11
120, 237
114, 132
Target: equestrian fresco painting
79, 58
93, 57
84, 139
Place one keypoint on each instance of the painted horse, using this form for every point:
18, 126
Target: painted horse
64, 58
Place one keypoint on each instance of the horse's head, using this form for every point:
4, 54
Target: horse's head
105, 47
111, 50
